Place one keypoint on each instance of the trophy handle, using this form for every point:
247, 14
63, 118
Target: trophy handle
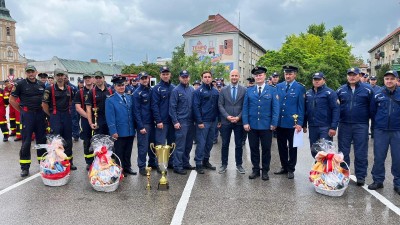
152, 147
173, 148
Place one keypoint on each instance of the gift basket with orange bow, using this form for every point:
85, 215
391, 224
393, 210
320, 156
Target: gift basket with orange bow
54, 164
105, 172
330, 173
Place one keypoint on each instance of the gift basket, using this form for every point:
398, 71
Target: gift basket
54, 166
104, 173
330, 173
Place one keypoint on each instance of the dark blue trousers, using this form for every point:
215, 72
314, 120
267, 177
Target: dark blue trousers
123, 149
61, 124
184, 143
86, 135
226, 132
204, 139
316, 133
382, 140
32, 122
75, 122
265, 138
358, 134
165, 136
287, 154
143, 145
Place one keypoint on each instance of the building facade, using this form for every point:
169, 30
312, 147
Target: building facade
77, 68
12, 64
223, 42
385, 52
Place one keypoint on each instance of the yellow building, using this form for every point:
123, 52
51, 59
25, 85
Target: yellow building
12, 64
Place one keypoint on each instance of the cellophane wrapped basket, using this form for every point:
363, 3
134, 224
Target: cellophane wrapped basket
330, 173
54, 165
105, 172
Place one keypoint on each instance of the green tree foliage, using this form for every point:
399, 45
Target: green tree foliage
151, 68
195, 66
317, 50
380, 72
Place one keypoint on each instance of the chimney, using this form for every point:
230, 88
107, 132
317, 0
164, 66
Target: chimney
94, 61
211, 18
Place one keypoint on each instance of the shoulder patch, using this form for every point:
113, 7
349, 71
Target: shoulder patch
14, 88
46, 95
110, 95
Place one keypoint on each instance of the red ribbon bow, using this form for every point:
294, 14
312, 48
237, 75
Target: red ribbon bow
102, 154
329, 162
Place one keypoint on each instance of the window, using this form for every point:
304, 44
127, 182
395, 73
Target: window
8, 31
11, 71
10, 54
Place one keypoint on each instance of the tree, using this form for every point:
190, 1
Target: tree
317, 50
194, 65
150, 68
381, 72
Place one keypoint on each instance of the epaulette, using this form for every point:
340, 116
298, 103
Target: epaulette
110, 95
301, 84
272, 85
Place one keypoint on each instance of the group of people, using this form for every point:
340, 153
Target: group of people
182, 114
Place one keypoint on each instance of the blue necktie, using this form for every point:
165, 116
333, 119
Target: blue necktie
123, 98
234, 93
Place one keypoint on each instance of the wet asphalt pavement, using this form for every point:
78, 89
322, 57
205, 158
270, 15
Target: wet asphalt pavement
229, 198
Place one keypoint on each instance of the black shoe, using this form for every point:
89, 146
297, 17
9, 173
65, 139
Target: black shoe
73, 167
154, 167
5, 139
199, 170
397, 189
76, 139
24, 173
170, 166
281, 171
375, 186
13, 134
290, 175
265, 176
207, 165
189, 167
143, 172
360, 182
181, 172
87, 167
17, 139
254, 175
130, 171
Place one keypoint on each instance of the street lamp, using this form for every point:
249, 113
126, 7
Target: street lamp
112, 46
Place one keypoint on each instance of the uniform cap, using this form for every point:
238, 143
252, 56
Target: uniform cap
142, 74
43, 75
392, 72
30, 67
318, 75
196, 82
354, 70
98, 74
290, 68
258, 70
184, 73
164, 69
60, 71
117, 79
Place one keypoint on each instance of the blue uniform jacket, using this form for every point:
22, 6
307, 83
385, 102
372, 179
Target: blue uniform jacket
260, 112
386, 109
376, 88
119, 116
291, 102
355, 107
142, 106
205, 104
160, 101
180, 104
322, 108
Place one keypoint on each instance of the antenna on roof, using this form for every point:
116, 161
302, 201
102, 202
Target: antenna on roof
239, 21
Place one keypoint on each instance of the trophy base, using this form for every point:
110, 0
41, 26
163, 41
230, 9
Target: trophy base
163, 187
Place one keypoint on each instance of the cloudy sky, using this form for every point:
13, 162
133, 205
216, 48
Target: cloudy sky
70, 28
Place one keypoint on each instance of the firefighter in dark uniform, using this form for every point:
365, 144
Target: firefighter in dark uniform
86, 131
30, 92
291, 98
3, 118
144, 123
120, 118
57, 101
95, 105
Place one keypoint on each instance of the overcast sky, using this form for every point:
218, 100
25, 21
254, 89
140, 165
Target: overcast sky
70, 28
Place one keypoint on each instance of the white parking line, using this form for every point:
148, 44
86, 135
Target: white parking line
19, 183
380, 197
182, 204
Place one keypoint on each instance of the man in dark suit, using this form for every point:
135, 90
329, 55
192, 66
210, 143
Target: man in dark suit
119, 116
230, 104
260, 118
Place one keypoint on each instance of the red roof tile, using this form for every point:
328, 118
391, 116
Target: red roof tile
386, 39
217, 24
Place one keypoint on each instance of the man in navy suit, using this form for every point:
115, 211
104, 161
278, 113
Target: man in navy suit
230, 104
260, 118
119, 117
291, 98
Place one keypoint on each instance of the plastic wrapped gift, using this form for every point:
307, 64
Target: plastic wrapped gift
328, 173
104, 171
